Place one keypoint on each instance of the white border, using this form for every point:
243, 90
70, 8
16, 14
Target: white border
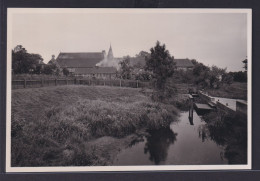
11, 11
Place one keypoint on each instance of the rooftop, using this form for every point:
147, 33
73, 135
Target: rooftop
183, 63
89, 59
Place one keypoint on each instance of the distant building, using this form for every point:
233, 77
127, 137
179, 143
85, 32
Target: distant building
180, 64
183, 64
84, 64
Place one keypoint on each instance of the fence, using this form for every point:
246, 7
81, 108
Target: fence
19, 84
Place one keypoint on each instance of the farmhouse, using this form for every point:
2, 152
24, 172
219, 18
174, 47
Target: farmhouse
183, 64
86, 63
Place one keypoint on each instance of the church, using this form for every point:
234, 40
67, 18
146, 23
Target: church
100, 65
88, 64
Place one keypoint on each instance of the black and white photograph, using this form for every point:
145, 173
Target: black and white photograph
128, 89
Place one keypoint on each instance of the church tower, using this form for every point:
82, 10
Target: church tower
110, 55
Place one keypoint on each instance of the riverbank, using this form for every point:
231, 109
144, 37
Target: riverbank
80, 125
236, 90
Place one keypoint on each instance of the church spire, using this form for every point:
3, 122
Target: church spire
110, 55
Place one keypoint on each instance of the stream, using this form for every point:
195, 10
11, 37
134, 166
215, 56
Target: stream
185, 142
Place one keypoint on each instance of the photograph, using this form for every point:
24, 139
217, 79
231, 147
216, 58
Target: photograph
92, 89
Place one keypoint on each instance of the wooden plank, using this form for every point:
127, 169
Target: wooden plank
211, 104
202, 106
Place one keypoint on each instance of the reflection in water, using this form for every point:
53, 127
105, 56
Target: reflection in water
191, 120
228, 131
186, 142
202, 132
158, 143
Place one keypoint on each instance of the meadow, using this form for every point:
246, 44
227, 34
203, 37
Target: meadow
79, 125
236, 90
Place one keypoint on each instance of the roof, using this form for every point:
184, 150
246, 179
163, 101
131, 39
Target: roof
137, 60
183, 63
96, 70
89, 59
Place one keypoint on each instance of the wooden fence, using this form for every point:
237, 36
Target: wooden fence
19, 84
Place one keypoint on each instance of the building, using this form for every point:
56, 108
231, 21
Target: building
183, 64
85, 64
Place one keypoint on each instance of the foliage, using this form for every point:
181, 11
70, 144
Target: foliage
139, 62
161, 64
184, 76
215, 76
227, 78
65, 71
24, 62
210, 77
52, 69
143, 54
239, 76
201, 74
144, 75
125, 68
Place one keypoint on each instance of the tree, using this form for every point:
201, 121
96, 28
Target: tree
65, 71
215, 76
143, 54
125, 68
161, 64
245, 66
48, 70
227, 78
144, 75
24, 62
239, 76
201, 74
51, 69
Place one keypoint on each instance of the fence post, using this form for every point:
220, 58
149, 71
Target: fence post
42, 82
120, 83
75, 81
66, 81
24, 84
55, 82
136, 83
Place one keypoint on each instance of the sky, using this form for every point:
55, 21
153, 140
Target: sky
211, 38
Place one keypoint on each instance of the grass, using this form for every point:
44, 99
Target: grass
79, 125
236, 90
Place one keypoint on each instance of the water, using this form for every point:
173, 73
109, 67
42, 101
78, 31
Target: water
184, 143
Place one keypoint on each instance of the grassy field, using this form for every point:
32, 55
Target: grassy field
80, 125
236, 90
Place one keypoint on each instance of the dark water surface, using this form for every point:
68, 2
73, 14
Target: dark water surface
184, 143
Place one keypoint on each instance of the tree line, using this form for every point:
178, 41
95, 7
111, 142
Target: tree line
30, 63
159, 67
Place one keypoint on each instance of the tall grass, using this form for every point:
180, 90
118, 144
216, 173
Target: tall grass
53, 126
236, 90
